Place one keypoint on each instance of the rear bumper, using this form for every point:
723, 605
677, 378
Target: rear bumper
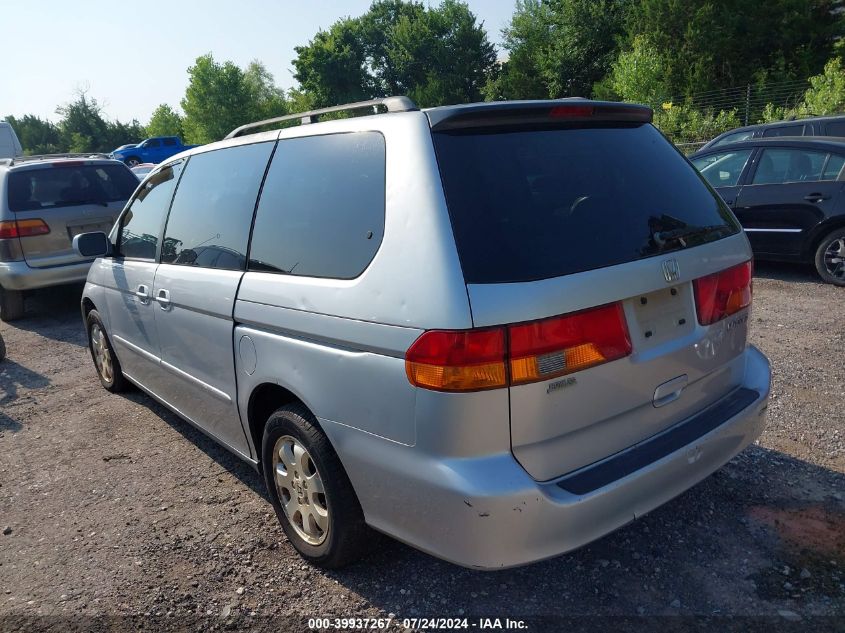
487, 513
19, 276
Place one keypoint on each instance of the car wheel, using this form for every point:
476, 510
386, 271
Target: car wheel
11, 304
310, 491
105, 360
830, 258
132, 161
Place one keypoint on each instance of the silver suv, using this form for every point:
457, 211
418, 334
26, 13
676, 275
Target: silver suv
494, 331
45, 201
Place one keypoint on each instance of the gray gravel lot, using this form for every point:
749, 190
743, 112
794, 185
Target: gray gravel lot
111, 506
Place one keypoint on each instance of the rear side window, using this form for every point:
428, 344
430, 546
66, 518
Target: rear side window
212, 211
530, 204
170, 142
734, 138
785, 130
321, 212
723, 169
778, 166
140, 225
834, 128
67, 185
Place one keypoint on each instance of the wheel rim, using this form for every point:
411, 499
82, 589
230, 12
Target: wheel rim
834, 258
132, 162
301, 490
102, 357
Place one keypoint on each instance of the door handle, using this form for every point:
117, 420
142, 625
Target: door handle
143, 294
816, 197
163, 298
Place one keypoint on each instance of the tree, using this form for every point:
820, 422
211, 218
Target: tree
221, 97
637, 75
82, 126
715, 44
435, 55
559, 48
37, 136
165, 121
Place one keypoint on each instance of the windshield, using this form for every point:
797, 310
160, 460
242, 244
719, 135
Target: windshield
529, 204
67, 185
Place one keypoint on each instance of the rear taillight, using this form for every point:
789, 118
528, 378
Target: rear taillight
722, 294
23, 228
561, 345
472, 360
458, 361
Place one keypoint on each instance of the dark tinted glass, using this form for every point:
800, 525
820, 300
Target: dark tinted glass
67, 185
779, 166
540, 203
141, 224
734, 138
209, 222
169, 142
153, 143
723, 169
834, 128
322, 208
786, 130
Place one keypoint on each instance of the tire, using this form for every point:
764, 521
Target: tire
11, 304
345, 536
830, 258
132, 161
2, 348
102, 353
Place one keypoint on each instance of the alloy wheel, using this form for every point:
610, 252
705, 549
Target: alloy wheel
301, 490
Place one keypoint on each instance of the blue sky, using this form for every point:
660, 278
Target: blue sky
131, 56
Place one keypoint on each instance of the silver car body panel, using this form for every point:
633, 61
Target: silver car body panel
491, 459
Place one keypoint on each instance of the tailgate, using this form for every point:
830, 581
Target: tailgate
676, 367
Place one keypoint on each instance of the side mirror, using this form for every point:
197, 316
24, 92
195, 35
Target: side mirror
92, 244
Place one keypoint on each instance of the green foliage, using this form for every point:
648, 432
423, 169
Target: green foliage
826, 94
435, 55
558, 48
36, 135
82, 127
686, 124
710, 44
165, 121
638, 75
221, 97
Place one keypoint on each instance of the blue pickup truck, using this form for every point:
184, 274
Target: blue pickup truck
152, 150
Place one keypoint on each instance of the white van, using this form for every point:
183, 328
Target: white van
10, 146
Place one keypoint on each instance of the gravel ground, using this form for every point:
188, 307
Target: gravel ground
117, 515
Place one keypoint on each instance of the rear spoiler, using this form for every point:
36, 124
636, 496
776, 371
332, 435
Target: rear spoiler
534, 112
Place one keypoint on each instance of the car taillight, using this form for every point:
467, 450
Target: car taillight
23, 228
722, 294
473, 360
561, 345
469, 360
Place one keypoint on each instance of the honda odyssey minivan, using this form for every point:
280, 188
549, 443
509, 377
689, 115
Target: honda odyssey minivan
493, 331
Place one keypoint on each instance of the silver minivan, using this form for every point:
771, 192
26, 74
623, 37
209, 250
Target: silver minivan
494, 331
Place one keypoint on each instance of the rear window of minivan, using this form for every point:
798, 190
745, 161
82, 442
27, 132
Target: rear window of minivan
535, 203
67, 185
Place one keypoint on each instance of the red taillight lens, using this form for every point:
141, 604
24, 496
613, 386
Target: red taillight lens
458, 361
472, 360
23, 228
571, 111
721, 294
562, 345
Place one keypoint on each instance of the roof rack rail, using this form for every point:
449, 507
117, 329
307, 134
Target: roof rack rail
391, 104
23, 159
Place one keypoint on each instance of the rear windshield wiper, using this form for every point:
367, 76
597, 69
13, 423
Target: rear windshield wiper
661, 238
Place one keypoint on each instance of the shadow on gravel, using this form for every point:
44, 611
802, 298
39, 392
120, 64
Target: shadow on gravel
12, 377
780, 271
54, 313
230, 462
